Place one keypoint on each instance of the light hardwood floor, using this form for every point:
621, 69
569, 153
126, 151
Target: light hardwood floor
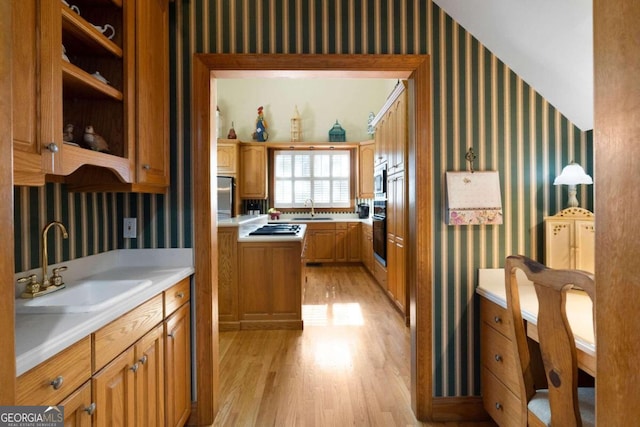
349, 367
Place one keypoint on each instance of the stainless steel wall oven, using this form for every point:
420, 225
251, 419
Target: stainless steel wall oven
380, 231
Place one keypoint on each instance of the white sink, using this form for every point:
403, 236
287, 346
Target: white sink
82, 297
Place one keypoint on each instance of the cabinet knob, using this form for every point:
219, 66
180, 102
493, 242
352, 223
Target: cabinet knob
498, 406
498, 358
53, 147
146, 167
57, 383
143, 359
135, 367
180, 295
171, 334
497, 319
90, 409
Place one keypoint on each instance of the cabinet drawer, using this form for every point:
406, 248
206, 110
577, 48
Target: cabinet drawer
176, 295
114, 338
341, 225
501, 404
495, 316
498, 356
72, 366
312, 226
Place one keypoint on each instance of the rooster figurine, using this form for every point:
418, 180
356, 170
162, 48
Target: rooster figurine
95, 141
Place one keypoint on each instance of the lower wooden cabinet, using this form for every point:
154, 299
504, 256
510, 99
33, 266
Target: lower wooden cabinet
270, 285
178, 366
114, 392
228, 278
79, 407
366, 250
499, 374
334, 242
129, 391
146, 383
150, 378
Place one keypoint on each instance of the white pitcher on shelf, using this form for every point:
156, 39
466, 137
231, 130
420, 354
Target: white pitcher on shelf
107, 30
72, 7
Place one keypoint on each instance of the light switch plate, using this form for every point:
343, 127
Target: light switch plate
129, 228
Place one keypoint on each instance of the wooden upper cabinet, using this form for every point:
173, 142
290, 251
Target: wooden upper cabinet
366, 160
32, 86
152, 92
227, 157
253, 174
60, 59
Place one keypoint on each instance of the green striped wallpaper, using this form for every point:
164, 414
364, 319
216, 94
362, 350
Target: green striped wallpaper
477, 102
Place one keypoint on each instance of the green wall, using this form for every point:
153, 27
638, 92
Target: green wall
477, 102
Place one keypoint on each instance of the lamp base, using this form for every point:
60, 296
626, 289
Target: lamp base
573, 199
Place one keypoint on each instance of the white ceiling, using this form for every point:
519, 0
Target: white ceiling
548, 43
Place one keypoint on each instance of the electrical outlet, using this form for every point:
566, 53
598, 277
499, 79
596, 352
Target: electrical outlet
129, 228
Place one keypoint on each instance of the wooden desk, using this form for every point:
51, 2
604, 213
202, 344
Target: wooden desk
579, 312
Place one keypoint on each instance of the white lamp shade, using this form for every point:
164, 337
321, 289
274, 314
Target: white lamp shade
573, 174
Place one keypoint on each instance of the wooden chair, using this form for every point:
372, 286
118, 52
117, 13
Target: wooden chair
563, 403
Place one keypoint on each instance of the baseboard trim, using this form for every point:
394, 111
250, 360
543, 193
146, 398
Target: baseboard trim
465, 408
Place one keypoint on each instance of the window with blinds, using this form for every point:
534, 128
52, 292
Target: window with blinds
320, 175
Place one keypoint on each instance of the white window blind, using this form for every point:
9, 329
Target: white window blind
320, 175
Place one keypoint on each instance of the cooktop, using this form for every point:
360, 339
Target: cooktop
277, 229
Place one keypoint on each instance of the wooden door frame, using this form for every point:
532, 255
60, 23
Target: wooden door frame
416, 69
7, 291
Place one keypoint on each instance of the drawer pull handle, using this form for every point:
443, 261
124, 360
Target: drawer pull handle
90, 409
180, 295
497, 319
134, 368
498, 406
143, 359
57, 383
498, 358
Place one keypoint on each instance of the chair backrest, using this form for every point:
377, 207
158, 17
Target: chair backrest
557, 344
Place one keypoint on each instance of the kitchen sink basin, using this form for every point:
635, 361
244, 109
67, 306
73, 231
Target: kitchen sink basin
314, 218
82, 297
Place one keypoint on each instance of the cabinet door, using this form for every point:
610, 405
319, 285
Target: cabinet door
324, 246
400, 276
228, 274
398, 136
353, 242
178, 367
366, 159
341, 243
152, 92
31, 23
149, 353
253, 176
585, 245
286, 297
559, 243
227, 158
78, 407
114, 392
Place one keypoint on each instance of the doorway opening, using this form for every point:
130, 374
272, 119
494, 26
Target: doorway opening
207, 68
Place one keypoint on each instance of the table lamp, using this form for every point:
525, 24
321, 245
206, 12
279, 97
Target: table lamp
572, 175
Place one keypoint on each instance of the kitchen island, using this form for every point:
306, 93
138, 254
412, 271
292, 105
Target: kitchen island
259, 276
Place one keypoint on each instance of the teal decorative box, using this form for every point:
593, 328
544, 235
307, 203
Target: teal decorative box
337, 134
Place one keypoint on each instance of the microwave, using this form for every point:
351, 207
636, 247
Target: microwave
380, 181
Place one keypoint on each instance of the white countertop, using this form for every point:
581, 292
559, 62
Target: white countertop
40, 336
242, 219
579, 307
